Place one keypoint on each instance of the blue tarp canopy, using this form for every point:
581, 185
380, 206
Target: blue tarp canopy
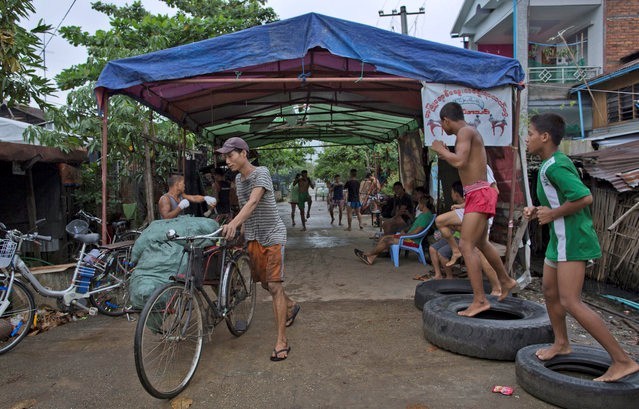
264, 82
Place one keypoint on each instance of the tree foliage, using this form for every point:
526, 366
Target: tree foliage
133, 31
20, 58
340, 160
286, 157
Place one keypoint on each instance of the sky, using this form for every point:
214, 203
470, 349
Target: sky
434, 25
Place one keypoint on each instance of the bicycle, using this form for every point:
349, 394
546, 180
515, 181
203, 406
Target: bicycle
120, 232
177, 316
101, 280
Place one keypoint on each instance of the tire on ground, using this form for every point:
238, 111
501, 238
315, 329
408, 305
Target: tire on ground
494, 334
430, 289
552, 381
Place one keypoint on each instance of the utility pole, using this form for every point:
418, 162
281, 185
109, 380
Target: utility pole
402, 13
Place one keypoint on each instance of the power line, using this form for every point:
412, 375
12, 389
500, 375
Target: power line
58, 26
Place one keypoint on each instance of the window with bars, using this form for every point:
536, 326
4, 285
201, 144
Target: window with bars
622, 104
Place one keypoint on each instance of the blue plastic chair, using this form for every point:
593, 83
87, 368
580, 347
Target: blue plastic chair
415, 245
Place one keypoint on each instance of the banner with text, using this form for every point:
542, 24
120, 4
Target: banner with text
490, 111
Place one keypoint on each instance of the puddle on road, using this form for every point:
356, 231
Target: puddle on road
315, 242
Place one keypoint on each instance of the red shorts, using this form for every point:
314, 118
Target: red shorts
482, 200
267, 263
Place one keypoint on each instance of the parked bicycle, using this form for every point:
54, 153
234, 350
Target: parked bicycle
101, 278
120, 228
177, 316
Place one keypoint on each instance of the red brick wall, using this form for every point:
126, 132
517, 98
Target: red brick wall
622, 31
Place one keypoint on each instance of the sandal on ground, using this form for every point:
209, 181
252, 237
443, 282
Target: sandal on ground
422, 277
360, 254
291, 319
276, 358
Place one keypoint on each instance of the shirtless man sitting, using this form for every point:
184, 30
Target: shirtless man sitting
481, 202
172, 203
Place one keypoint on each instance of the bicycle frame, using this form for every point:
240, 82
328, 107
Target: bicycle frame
69, 296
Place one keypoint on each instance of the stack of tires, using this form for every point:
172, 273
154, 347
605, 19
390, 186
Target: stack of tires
514, 329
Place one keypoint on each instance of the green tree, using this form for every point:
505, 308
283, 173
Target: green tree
135, 31
19, 57
340, 160
286, 157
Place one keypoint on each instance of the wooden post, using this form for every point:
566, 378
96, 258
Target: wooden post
104, 165
515, 155
31, 207
148, 171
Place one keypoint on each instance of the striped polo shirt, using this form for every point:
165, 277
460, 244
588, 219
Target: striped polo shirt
265, 224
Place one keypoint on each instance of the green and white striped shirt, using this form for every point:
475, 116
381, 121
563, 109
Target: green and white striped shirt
572, 237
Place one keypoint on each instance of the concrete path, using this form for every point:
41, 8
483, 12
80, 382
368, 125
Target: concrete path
357, 343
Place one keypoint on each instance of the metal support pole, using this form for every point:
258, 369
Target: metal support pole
581, 115
104, 166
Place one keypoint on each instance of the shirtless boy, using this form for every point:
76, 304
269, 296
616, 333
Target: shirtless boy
481, 201
303, 196
564, 203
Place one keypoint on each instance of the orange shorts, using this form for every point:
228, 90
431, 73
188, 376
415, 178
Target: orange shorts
267, 263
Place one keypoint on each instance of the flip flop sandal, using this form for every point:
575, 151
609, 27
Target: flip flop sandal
360, 254
291, 320
276, 358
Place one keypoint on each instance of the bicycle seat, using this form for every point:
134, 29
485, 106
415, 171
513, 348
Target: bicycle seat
88, 238
119, 224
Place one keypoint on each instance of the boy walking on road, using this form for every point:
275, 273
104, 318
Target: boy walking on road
564, 201
265, 233
481, 202
352, 200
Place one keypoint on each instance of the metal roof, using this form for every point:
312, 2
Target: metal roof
618, 165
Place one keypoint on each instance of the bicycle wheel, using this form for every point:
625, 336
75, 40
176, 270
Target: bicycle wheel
168, 341
128, 235
18, 317
239, 291
115, 272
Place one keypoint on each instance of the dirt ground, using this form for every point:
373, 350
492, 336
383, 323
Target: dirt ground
357, 343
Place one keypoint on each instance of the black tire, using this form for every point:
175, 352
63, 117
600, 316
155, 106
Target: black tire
19, 315
240, 295
498, 333
556, 381
128, 235
430, 289
168, 341
114, 271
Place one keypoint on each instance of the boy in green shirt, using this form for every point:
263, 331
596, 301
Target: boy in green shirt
564, 201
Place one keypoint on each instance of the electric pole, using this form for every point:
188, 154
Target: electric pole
402, 13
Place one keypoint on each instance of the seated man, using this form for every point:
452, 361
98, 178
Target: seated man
402, 211
440, 253
426, 208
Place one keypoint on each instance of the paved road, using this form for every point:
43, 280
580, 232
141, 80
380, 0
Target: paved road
357, 343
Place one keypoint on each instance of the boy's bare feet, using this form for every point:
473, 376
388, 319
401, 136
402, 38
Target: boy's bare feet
303, 228
545, 354
348, 229
506, 287
475, 308
618, 370
453, 259
496, 291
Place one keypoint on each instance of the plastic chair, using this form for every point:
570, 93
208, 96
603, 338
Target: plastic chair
414, 245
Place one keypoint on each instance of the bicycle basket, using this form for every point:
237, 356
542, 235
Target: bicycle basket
7, 250
77, 226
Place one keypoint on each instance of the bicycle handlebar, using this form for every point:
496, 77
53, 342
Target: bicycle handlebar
88, 216
172, 235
